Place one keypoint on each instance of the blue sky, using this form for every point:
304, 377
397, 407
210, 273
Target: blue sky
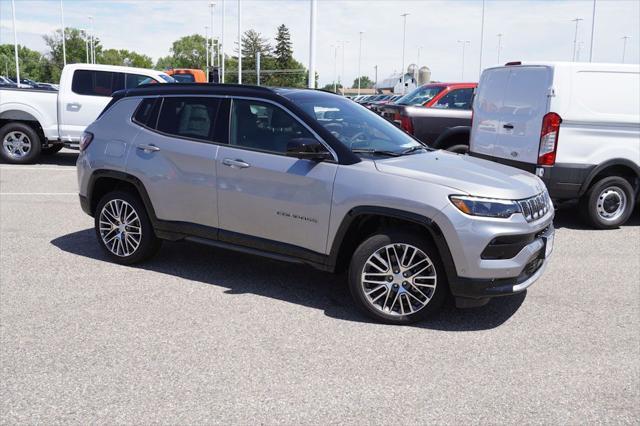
533, 29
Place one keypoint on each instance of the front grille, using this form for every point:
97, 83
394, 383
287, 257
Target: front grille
535, 207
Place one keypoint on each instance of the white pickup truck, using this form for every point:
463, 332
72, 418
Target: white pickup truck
34, 122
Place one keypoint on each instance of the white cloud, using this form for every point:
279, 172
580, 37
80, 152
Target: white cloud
533, 29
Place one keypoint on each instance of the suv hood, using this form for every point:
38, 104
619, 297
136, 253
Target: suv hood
465, 174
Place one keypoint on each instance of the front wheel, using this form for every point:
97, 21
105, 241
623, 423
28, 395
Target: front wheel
397, 278
608, 203
123, 228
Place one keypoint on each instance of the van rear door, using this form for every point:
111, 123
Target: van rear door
524, 102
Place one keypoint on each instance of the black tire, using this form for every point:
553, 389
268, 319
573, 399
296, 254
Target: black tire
31, 137
602, 198
148, 242
357, 267
50, 150
459, 149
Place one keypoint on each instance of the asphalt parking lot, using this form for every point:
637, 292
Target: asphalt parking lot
201, 335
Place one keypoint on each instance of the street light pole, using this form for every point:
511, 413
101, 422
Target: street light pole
464, 44
206, 48
64, 46
575, 37
593, 27
212, 7
499, 45
335, 67
404, 39
222, 61
91, 41
359, 61
15, 42
239, 42
312, 44
86, 43
624, 46
481, 39
342, 74
376, 77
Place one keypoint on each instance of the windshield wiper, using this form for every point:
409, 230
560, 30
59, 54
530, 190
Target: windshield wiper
413, 149
376, 152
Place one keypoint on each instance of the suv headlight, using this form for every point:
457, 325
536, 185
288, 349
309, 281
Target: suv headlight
486, 207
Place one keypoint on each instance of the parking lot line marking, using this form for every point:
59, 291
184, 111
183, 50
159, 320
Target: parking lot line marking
38, 193
66, 169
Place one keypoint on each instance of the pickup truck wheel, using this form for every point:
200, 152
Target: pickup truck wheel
459, 149
608, 203
397, 278
20, 143
123, 228
50, 150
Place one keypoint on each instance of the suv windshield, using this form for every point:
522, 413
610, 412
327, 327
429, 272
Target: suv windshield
420, 96
355, 126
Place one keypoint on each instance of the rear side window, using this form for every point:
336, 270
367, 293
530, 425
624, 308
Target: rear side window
184, 78
96, 83
135, 80
189, 117
147, 112
456, 99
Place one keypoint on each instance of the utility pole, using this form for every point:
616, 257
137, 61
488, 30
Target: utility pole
593, 27
86, 43
335, 67
624, 46
239, 42
64, 36
575, 37
312, 44
376, 76
499, 45
481, 40
222, 44
342, 74
92, 56
404, 39
464, 44
359, 60
15, 42
206, 47
212, 6
258, 68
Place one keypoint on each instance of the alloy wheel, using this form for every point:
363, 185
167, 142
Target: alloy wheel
120, 228
16, 144
399, 279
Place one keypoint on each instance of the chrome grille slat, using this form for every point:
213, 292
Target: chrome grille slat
535, 207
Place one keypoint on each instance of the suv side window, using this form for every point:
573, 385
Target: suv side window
263, 126
147, 112
456, 99
189, 117
135, 80
96, 83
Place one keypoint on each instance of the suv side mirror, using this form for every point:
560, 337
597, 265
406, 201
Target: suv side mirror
307, 149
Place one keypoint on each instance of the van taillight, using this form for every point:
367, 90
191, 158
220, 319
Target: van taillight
549, 139
87, 137
406, 124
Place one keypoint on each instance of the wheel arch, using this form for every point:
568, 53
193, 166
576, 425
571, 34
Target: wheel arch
102, 182
24, 117
453, 136
615, 167
361, 222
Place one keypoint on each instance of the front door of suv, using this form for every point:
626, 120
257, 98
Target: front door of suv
262, 192
174, 156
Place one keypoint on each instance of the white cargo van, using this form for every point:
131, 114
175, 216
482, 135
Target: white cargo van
576, 125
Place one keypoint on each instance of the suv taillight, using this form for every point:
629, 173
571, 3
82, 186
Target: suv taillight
549, 139
406, 124
87, 137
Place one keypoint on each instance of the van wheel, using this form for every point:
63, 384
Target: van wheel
459, 149
608, 203
50, 150
397, 278
123, 228
20, 143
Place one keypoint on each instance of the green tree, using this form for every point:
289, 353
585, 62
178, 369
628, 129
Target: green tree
76, 48
124, 57
283, 50
186, 52
32, 64
329, 87
285, 62
365, 82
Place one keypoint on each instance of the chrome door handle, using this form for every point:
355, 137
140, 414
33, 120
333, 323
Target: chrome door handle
236, 164
148, 148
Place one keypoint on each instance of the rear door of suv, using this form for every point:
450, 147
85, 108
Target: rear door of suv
174, 155
509, 106
264, 196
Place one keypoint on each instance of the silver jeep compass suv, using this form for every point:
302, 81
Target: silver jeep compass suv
311, 177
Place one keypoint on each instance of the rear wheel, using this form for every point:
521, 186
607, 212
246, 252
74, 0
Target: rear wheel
123, 228
20, 143
608, 203
397, 278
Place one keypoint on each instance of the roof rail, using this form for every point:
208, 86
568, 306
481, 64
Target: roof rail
203, 85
